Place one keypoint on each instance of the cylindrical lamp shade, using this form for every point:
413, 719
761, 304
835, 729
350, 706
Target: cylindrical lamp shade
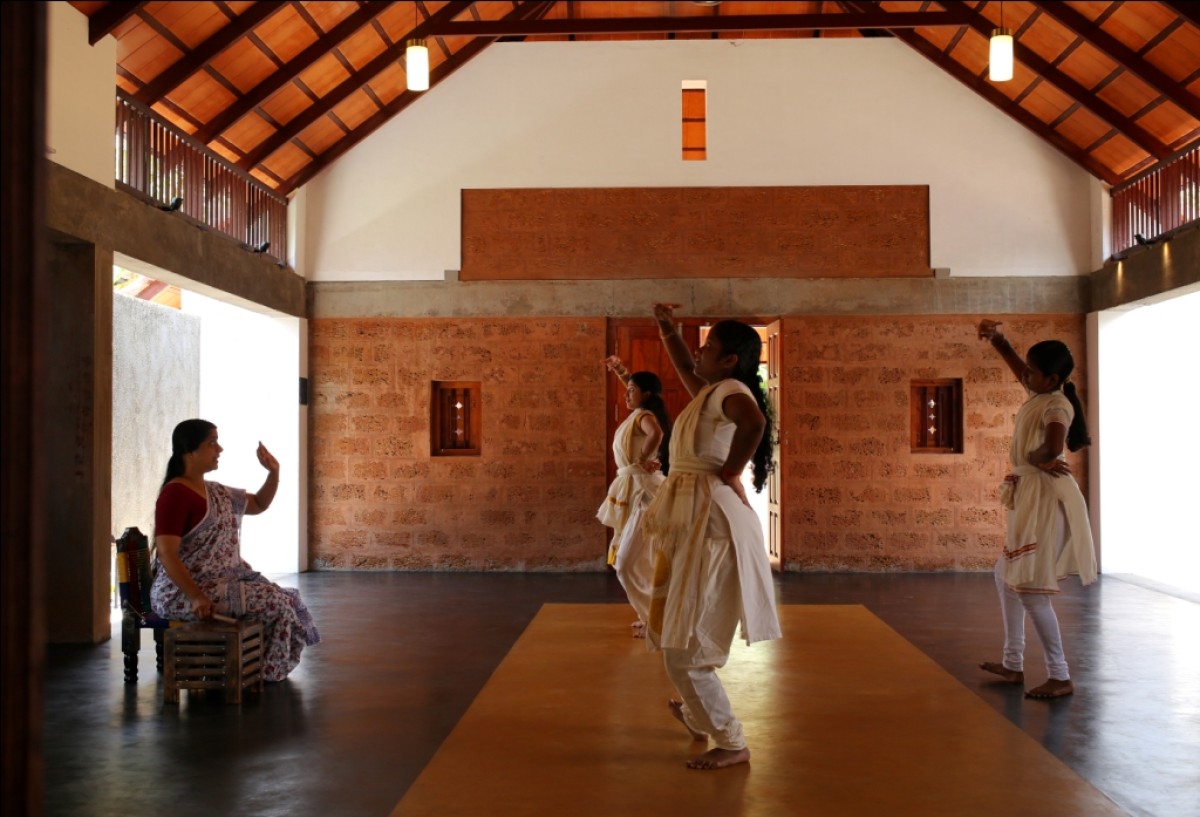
1000, 56
416, 65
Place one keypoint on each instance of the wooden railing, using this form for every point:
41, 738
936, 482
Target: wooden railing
162, 163
1157, 202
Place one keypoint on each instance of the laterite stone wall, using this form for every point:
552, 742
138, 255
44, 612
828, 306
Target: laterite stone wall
855, 497
528, 502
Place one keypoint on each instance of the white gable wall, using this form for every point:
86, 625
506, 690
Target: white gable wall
780, 112
81, 101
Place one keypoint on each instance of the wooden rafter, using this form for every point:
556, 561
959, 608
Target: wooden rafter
106, 20
441, 41
716, 23
443, 70
291, 69
988, 92
347, 87
1084, 96
201, 55
1187, 11
1121, 54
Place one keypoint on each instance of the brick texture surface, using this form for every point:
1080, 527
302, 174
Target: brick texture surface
528, 502
696, 232
854, 496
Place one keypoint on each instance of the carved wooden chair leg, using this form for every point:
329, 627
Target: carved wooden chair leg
131, 638
158, 649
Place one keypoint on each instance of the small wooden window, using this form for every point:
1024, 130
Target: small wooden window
455, 422
695, 126
936, 416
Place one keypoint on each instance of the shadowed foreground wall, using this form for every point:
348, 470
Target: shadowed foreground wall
855, 498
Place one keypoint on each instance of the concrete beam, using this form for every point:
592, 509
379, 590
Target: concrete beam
1149, 274
758, 297
80, 208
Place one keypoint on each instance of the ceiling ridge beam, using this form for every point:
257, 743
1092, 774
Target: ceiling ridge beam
201, 55
670, 25
1129, 129
405, 99
106, 20
989, 93
347, 87
291, 69
1121, 54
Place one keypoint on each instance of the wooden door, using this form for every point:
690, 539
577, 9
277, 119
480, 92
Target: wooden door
637, 343
774, 532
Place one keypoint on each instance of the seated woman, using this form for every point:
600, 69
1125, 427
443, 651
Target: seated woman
196, 531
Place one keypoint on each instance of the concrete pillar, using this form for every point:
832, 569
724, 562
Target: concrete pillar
78, 442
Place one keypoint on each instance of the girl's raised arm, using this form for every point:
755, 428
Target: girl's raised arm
988, 331
681, 358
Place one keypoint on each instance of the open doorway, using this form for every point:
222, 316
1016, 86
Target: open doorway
1146, 443
179, 354
766, 502
636, 342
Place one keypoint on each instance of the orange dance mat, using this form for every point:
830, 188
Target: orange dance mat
842, 716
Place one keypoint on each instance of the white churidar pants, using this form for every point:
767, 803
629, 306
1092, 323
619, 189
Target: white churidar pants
693, 671
1013, 608
635, 567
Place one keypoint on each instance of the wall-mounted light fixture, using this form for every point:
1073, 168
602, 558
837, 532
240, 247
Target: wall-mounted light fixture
1000, 52
416, 65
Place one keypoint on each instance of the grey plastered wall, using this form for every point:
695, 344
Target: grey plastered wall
712, 297
156, 383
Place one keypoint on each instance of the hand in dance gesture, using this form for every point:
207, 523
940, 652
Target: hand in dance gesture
987, 329
734, 481
266, 459
665, 315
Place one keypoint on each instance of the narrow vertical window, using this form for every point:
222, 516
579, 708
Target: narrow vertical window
936, 416
455, 422
695, 115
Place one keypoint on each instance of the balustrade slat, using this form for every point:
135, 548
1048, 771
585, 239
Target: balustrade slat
1161, 201
155, 159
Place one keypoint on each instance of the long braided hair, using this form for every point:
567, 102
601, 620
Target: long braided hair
1053, 357
737, 338
653, 402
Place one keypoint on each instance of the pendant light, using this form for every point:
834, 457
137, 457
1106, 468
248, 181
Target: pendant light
1000, 52
416, 65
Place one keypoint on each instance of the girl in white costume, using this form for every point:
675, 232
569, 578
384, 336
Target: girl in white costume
711, 569
640, 450
1048, 536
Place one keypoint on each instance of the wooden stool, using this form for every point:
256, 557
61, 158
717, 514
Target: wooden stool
212, 655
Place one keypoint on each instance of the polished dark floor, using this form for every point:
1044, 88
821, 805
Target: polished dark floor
404, 654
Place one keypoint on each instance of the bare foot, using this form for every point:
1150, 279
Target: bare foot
676, 708
639, 629
1052, 689
719, 759
1009, 675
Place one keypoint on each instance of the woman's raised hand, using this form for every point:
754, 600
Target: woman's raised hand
266, 459
613, 363
987, 329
